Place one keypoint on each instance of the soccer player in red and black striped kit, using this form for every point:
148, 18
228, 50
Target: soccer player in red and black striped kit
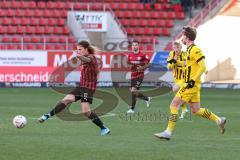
139, 62
88, 81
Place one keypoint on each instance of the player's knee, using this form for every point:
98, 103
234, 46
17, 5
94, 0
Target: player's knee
87, 113
175, 88
68, 99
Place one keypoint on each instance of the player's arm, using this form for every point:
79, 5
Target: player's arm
171, 61
145, 66
202, 68
200, 71
84, 59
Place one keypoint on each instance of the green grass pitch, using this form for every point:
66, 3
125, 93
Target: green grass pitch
193, 139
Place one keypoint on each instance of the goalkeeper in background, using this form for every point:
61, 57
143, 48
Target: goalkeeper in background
176, 62
190, 91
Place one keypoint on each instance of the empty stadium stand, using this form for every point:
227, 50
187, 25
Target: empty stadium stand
30, 25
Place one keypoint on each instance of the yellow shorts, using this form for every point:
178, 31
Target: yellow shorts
180, 83
191, 94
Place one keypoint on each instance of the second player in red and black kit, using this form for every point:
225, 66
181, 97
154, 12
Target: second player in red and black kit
84, 92
139, 62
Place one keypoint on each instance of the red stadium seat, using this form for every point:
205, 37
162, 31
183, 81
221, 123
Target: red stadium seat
15, 21
123, 6
125, 22
150, 47
5, 4
146, 14
11, 30
16, 39
35, 39
158, 6
30, 30
10, 13
48, 30
47, 13
139, 6
60, 5
20, 30
166, 32
133, 22
15, 4
169, 23
60, 22
39, 30
24, 4
56, 14
30, 46
34, 21
64, 14
6, 39
160, 22
131, 6
57, 30
71, 39
68, 5
53, 39
148, 31
32, 5
42, 22
139, 31
137, 14
26, 39
63, 39
52, 22
11, 47
171, 15
37, 13
151, 23
51, 5
127, 14
59, 47
49, 47
143, 22
65, 30
28, 13
154, 14
180, 15
24, 21
2, 13
6, 21
157, 31
40, 46
114, 6
41, 5
19, 13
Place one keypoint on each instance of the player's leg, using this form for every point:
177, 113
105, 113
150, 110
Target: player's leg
68, 99
174, 106
205, 113
175, 89
86, 100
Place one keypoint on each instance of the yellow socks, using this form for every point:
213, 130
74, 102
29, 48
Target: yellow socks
205, 113
172, 119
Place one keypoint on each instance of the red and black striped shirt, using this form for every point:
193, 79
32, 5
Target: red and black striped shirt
139, 59
89, 73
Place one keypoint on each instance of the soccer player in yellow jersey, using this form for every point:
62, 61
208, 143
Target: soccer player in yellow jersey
190, 91
176, 63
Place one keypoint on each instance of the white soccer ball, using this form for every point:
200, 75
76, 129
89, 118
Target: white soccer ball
19, 121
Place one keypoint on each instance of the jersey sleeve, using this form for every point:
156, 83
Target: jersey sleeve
170, 56
146, 59
197, 54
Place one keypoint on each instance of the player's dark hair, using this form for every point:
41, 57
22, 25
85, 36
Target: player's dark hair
85, 44
190, 32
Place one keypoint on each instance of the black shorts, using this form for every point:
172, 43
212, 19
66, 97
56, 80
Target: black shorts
136, 82
83, 94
